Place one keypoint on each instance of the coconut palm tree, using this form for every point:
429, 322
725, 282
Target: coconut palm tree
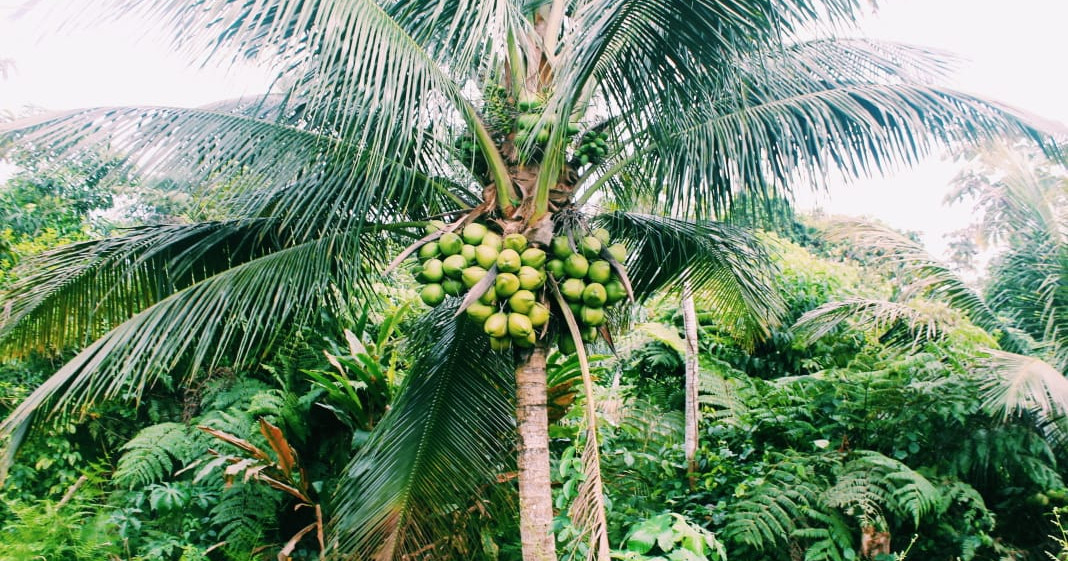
530, 116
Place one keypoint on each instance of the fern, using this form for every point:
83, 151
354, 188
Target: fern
231, 393
154, 453
872, 481
774, 509
243, 516
833, 541
725, 390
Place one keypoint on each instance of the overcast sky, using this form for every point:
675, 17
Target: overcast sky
1012, 51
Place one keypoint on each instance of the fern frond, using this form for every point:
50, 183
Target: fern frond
726, 396
243, 516
773, 510
832, 541
155, 452
872, 482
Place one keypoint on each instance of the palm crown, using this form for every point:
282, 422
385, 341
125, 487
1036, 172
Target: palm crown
389, 114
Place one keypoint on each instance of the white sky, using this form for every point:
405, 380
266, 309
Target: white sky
1014, 52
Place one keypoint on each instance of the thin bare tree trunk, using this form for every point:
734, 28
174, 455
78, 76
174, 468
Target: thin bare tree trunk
535, 492
693, 412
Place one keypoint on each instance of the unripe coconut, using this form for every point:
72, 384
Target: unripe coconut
480, 312
452, 287
589, 333
594, 295
468, 251
454, 265
532, 257
576, 266
501, 343
572, 289
600, 271
618, 252
592, 316
555, 267
603, 235
525, 342
450, 243
508, 261
429, 250
493, 239
506, 284
434, 226
526, 121
575, 307
474, 232
566, 344
517, 242
530, 278
590, 246
432, 271
615, 291
485, 256
489, 297
522, 301
496, 325
519, 326
561, 247
471, 275
538, 314
432, 294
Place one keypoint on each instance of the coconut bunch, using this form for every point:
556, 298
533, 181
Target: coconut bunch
503, 281
590, 275
510, 307
592, 148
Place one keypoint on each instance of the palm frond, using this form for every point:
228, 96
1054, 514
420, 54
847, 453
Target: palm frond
308, 178
231, 316
727, 268
588, 509
685, 47
73, 294
930, 277
1016, 383
896, 323
1024, 206
449, 432
803, 113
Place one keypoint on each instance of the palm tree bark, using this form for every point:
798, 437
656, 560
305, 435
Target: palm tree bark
535, 491
693, 413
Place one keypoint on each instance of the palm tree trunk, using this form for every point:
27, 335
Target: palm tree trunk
692, 412
535, 492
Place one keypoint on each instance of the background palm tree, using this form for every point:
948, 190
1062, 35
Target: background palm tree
388, 114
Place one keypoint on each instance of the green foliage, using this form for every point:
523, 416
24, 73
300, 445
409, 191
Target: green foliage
73, 529
669, 537
244, 515
155, 453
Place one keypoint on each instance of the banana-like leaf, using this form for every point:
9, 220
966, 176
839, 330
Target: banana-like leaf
450, 432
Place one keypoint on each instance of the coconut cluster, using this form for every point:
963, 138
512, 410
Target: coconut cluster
512, 309
588, 280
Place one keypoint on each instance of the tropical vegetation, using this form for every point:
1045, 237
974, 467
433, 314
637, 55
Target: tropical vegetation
184, 358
